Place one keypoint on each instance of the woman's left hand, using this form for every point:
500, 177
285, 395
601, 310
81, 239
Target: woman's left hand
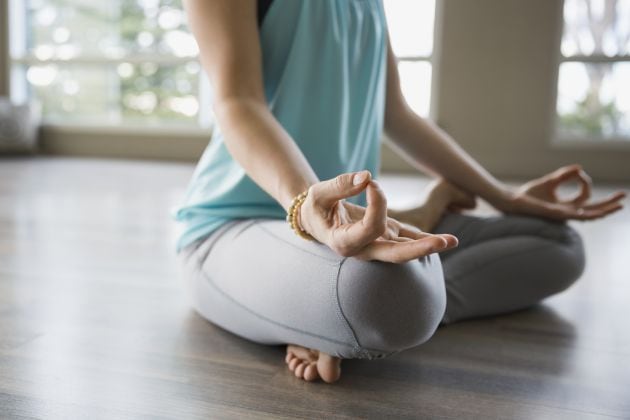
539, 197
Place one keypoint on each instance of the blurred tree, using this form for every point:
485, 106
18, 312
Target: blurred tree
592, 115
106, 87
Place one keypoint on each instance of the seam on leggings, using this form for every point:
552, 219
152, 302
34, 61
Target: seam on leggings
213, 237
193, 246
358, 349
335, 261
264, 318
244, 227
339, 311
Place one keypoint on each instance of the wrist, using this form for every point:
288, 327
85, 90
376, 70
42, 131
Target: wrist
498, 193
501, 196
300, 220
294, 216
289, 192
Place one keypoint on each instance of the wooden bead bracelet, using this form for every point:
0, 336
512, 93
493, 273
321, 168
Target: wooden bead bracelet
292, 215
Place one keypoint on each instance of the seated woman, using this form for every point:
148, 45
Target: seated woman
303, 91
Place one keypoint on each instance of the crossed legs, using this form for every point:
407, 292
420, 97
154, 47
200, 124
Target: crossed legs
257, 279
505, 263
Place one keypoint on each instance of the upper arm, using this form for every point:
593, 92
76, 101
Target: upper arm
226, 32
395, 102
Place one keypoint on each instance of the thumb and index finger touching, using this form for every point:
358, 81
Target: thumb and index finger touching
373, 223
346, 185
576, 172
585, 182
364, 232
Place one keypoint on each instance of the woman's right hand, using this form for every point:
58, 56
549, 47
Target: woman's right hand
364, 232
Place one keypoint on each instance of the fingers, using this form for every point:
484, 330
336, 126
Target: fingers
376, 210
352, 237
327, 193
400, 252
602, 203
557, 211
598, 209
583, 214
355, 211
585, 182
565, 172
410, 231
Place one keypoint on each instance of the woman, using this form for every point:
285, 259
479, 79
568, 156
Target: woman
302, 93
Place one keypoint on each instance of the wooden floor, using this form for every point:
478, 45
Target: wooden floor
94, 323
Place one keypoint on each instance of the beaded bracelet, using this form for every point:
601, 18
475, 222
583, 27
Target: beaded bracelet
292, 215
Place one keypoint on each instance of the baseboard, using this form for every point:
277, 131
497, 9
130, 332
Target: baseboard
188, 145
156, 144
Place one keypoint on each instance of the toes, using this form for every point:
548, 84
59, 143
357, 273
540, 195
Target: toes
294, 362
302, 353
329, 367
310, 373
312, 364
299, 370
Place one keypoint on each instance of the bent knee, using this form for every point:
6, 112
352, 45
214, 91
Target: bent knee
570, 258
391, 307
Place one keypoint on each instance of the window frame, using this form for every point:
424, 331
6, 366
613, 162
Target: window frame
559, 141
4, 49
156, 142
201, 130
432, 59
390, 160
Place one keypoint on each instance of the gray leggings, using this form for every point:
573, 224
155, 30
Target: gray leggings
258, 280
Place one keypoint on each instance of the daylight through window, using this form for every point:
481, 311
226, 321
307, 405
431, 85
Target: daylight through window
134, 62
594, 79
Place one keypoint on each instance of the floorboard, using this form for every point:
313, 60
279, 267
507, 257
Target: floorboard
94, 323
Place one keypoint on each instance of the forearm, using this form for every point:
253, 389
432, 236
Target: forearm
229, 49
429, 146
264, 149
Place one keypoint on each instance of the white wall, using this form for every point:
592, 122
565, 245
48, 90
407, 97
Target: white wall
495, 89
494, 92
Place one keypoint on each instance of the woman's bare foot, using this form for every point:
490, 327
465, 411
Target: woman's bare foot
454, 198
440, 196
312, 364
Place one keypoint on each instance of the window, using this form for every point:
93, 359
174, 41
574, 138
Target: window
594, 75
107, 63
134, 62
411, 30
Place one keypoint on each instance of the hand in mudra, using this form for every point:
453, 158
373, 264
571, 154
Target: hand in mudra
365, 233
539, 197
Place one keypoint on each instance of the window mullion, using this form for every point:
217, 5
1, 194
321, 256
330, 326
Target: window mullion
414, 58
97, 60
595, 58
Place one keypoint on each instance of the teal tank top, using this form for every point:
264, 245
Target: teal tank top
324, 69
